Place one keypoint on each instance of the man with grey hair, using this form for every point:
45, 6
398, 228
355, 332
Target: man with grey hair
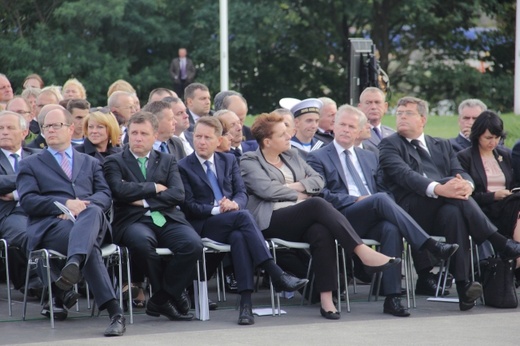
21, 106
326, 123
122, 105
350, 186
6, 91
427, 181
238, 147
13, 219
372, 102
238, 104
469, 110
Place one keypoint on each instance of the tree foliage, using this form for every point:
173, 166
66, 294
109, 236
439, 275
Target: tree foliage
283, 48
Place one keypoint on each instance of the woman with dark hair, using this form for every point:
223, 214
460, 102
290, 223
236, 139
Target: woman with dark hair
490, 167
283, 198
101, 136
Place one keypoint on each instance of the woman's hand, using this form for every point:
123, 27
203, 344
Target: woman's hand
296, 186
302, 196
501, 194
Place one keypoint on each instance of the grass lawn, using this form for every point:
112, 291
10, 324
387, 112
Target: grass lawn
447, 126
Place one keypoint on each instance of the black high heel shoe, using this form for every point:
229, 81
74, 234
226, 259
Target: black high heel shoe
330, 315
391, 262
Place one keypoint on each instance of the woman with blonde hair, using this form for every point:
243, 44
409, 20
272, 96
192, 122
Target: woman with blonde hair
73, 89
102, 135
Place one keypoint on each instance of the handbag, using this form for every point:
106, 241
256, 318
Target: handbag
498, 283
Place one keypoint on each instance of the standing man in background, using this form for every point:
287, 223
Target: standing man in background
182, 71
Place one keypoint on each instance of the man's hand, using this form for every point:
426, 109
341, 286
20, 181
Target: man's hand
296, 186
227, 205
160, 188
76, 206
457, 188
360, 198
302, 196
7, 197
138, 203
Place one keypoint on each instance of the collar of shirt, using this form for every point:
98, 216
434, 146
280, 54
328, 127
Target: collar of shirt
466, 138
340, 149
67, 151
195, 116
8, 153
136, 157
157, 145
422, 140
211, 159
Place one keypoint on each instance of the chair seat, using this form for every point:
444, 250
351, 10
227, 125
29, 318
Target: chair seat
371, 242
108, 250
163, 252
215, 245
290, 244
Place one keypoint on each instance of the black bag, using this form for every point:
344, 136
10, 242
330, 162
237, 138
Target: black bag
498, 283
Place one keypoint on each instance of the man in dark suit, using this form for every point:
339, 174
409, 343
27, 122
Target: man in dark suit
182, 71
372, 102
61, 174
13, 219
238, 146
166, 142
325, 132
215, 205
469, 110
349, 174
427, 181
147, 189
238, 104
198, 102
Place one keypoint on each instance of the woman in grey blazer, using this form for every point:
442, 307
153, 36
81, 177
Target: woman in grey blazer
283, 198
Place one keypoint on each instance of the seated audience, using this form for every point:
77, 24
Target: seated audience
215, 205
469, 110
34, 81
102, 134
159, 93
372, 102
326, 123
31, 94
73, 89
282, 197
79, 108
238, 146
306, 116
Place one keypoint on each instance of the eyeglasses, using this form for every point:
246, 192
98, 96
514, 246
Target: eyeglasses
407, 113
55, 126
23, 112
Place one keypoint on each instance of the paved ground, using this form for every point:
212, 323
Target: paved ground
431, 323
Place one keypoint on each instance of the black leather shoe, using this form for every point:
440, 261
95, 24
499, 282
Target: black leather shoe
393, 306
117, 326
70, 275
468, 295
511, 251
68, 298
168, 310
60, 314
443, 251
246, 317
391, 262
330, 315
288, 283
231, 283
427, 285
212, 305
182, 304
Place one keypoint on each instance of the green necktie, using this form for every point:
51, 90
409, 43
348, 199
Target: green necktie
157, 218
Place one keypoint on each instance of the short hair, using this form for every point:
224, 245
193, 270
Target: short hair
142, 117
347, 109
221, 112
46, 109
77, 103
422, 106
66, 113
160, 90
31, 92
55, 90
189, 91
263, 126
327, 101
225, 127
113, 99
171, 100
106, 119
487, 120
120, 85
21, 120
16, 98
77, 83
34, 76
219, 98
372, 90
472, 103
212, 122
156, 108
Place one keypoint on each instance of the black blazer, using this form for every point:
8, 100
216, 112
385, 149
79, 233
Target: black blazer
38, 143
400, 165
88, 148
176, 148
128, 185
459, 143
471, 161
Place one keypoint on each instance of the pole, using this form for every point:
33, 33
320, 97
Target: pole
224, 57
517, 60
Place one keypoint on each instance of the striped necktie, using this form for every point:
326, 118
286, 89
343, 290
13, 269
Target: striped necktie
65, 164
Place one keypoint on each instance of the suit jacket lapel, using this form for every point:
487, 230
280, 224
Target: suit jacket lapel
133, 165
49, 160
436, 154
197, 168
413, 153
153, 162
367, 170
479, 166
334, 157
6, 165
220, 166
77, 163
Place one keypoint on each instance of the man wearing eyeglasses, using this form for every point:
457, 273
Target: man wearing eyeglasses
6, 91
428, 182
61, 174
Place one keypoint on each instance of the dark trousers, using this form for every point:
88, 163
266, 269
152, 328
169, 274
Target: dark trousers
316, 222
84, 237
248, 249
143, 237
454, 219
378, 217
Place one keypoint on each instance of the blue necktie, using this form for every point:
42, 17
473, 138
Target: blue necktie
217, 192
164, 147
15, 157
378, 133
355, 176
